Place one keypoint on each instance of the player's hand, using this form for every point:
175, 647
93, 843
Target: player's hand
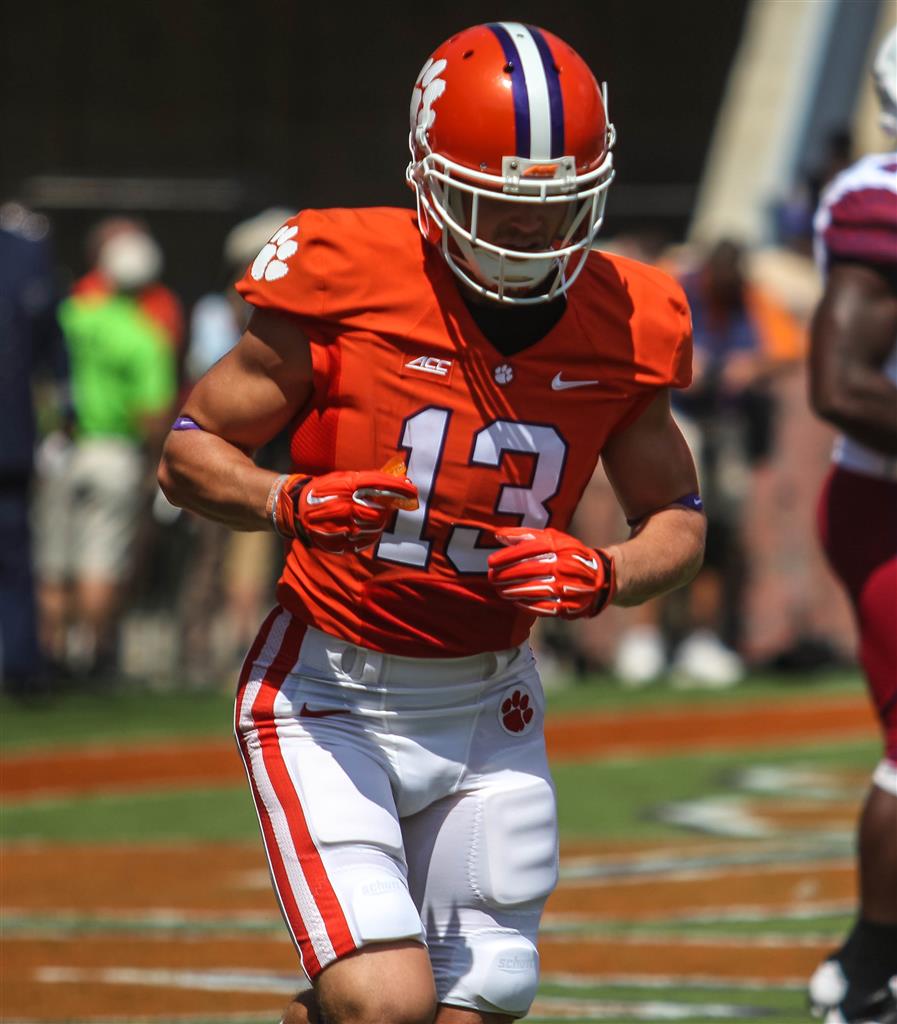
341, 511
551, 573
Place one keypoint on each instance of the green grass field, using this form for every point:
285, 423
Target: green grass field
610, 801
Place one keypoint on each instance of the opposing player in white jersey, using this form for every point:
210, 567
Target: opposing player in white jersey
853, 381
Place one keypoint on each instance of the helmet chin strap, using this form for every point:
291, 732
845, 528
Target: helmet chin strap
490, 270
495, 289
493, 268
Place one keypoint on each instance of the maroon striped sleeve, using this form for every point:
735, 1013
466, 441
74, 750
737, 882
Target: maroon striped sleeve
863, 226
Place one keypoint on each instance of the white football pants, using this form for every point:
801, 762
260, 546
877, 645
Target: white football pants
403, 798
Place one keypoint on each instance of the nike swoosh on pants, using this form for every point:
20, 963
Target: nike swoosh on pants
306, 712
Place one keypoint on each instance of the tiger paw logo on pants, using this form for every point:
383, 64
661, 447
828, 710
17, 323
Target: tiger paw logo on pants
515, 712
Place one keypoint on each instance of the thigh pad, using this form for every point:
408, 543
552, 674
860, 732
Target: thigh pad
515, 857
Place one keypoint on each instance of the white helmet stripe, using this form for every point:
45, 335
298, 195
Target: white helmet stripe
536, 88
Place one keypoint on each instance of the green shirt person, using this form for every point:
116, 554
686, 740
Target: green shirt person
122, 366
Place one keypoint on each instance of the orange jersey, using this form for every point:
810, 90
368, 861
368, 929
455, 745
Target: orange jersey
490, 440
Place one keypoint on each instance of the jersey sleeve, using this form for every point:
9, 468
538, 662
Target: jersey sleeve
640, 324
679, 372
662, 331
857, 216
304, 269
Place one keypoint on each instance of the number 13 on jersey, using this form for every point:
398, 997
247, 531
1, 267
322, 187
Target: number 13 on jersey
423, 437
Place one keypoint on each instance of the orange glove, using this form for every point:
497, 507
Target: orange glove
551, 573
341, 511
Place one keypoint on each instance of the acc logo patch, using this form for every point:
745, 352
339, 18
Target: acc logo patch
516, 711
427, 90
270, 263
437, 369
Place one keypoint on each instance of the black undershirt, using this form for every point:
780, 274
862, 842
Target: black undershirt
511, 329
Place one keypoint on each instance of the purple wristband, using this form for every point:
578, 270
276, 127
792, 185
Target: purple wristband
689, 501
692, 501
185, 423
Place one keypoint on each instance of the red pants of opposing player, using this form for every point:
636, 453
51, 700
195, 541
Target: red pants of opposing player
858, 527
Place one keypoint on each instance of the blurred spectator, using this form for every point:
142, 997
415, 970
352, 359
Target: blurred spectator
30, 341
242, 566
794, 215
787, 615
726, 416
157, 301
123, 381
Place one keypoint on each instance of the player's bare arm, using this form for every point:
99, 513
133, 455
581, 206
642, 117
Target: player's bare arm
650, 467
853, 332
244, 400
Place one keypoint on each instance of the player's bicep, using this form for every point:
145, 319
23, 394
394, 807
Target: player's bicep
649, 464
255, 390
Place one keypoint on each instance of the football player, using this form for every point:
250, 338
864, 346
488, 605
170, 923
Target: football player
853, 379
451, 376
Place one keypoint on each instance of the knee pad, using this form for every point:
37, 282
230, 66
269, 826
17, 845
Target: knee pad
503, 975
514, 859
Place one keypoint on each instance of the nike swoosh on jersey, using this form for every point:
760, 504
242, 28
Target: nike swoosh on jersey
561, 385
306, 712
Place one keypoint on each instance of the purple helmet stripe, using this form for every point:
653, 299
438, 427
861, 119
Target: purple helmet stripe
518, 89
555, 97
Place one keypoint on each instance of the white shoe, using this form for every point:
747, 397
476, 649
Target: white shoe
704, 662
641, 656
833, 1002
827, 988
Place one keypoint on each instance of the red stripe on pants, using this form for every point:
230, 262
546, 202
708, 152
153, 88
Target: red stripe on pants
310, 861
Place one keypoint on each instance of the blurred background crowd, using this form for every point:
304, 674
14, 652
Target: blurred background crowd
116, 268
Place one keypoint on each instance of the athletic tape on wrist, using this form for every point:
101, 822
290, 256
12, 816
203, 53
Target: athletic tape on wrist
609, 587
282, 506
271, 504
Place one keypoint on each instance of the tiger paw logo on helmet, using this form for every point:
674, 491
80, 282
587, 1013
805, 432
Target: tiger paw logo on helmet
427, 90
270, 263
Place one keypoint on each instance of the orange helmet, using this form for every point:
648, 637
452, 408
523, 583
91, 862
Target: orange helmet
509, 112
